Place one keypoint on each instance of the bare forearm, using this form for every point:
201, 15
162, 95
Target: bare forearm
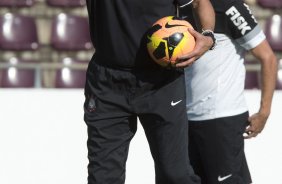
268, 61
268, 76
268, 82
204, 13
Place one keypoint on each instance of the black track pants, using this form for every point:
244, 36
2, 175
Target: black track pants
114, 100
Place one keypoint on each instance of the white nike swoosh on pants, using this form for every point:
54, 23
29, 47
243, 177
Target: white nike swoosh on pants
175, 103
224, 177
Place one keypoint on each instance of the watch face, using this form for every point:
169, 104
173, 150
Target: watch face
210, 34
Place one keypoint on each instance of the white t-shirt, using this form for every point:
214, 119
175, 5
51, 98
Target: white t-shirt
215, 82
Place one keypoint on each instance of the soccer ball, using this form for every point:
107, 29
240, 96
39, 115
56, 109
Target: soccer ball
168, 39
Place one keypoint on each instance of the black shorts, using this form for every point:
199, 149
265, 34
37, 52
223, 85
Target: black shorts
216, 150
114, 100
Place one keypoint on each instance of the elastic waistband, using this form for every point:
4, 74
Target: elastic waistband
138, 66
99, 62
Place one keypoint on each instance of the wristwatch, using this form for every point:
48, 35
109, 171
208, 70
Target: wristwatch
210, 33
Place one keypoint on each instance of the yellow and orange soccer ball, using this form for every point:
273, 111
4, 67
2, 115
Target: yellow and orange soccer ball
168, 39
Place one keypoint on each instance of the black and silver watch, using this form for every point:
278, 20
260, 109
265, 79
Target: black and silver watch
210, 33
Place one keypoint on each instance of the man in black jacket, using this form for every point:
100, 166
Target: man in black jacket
123, 83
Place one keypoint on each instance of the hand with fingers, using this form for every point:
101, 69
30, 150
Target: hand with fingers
257, 123
203, 44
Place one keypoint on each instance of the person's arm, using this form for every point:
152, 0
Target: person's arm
205, 15
268, 61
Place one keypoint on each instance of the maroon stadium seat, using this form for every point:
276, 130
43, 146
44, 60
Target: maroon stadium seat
70, 32
13, 77
18, 32
67, 77
251, 81
66, 3
252, 77
279, 76
272, 4
16, 3
273, 31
